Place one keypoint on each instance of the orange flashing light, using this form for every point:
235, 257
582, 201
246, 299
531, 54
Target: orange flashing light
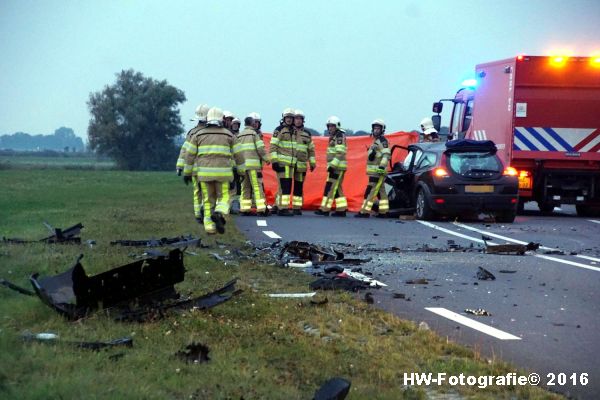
520, 57
510, 171
558, 61
440, 172
595, 61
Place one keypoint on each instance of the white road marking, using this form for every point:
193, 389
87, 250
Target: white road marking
429, 224
461, 319
271, 234
594, 221
518, 241
261, 222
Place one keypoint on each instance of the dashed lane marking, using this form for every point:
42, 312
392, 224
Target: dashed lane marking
461, 319
567, 262
271, 234
518, 241
261, 222
594, 221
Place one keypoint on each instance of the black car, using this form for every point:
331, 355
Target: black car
453, 178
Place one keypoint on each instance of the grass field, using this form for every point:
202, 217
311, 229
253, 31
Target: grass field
260, 348
69, 161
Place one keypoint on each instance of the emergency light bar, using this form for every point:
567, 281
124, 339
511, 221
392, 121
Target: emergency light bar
469, 83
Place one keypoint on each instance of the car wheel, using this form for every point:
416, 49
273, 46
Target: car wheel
506, 216
422, 208
545, 208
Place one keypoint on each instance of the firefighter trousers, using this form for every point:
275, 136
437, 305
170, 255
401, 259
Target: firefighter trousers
297, 198
333, 192
285, 176
197, 198
375, 188
215, 195
252, 189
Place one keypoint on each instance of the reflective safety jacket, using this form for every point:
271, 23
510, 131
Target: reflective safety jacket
336, 151
305, 150
249, 150
210, 155
378, 157
182, 151
283, 146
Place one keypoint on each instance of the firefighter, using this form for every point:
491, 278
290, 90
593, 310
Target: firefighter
250, 155
235, 126
227, 119
283, 160
210, 149
430, 134
305, 153
200, 116
378, 156
336, 168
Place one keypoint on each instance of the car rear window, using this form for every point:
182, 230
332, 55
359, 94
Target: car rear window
464, 163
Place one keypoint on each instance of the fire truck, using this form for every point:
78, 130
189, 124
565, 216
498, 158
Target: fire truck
543, 113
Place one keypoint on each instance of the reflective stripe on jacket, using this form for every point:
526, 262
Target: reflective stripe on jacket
210, 154
336, 151
249, 150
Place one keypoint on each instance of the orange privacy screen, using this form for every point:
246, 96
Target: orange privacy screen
355, 181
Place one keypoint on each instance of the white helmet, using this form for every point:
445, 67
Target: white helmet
214, 116
427, 126
254, 116
201, 112
333, 120
288, 112
236, 119
379, 122
299, 113
228, 114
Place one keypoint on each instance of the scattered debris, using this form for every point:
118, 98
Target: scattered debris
507, 271
399, 296
16, 288
291, 295
178, 241
369, 298
319, 301
95, 346
194, 353
423, 326
147, 283
484, 275
518, 249
334, 269
480, 312
419, 281
437, 297
555, 252
306, 264
297, 252
333, 389
58, 235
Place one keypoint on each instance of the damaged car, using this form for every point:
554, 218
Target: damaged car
454, 178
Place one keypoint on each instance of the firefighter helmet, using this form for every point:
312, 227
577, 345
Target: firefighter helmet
288, 112
299, 113
254, 116
214, 116
333, 120
379, 122
427, 126
201, 112
227, 114
236, 120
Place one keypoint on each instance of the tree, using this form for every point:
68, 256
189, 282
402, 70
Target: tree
135, 122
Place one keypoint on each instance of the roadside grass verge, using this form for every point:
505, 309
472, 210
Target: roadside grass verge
260, 348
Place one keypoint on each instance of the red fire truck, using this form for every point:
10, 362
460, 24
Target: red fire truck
543, 113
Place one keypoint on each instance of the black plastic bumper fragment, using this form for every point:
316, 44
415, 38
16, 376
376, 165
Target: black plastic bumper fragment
178, 241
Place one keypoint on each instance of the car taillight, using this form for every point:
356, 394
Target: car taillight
510, 171
440, 172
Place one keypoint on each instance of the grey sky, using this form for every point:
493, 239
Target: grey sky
358, 60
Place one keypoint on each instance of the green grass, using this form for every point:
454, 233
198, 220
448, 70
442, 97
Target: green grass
259, 346
69, 161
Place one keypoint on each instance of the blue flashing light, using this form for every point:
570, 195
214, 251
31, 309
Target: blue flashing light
469, 83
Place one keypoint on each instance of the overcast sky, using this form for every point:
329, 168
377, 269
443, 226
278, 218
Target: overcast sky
359, 60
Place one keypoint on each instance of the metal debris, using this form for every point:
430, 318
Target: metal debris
177, 241
484, 275
16, 288
291, 295
296, 252
480, 312
194, 353
333, 389
507, 271
58, 235
95, 346
518, 249
419, 281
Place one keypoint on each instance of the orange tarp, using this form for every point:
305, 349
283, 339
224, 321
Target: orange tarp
355, 180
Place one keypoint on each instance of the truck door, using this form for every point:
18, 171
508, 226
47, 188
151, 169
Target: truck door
461, 119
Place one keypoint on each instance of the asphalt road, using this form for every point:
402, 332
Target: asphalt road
545, 308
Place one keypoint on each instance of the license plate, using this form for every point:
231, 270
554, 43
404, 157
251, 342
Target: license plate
479, 188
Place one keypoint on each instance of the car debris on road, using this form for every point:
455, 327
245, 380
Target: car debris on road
480, 312
68, 235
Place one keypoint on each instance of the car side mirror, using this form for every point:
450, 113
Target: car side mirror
437, 107
437, 121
